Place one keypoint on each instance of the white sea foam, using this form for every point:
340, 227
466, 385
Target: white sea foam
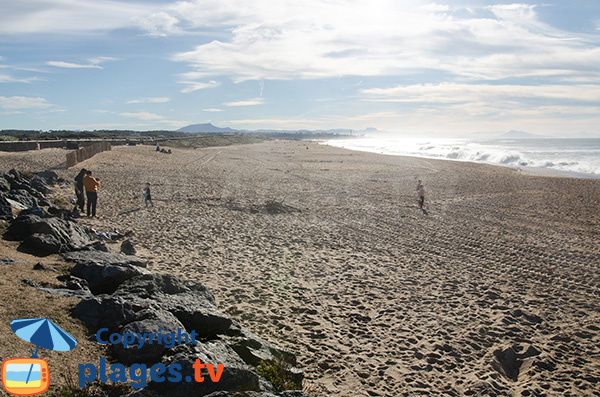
578, 157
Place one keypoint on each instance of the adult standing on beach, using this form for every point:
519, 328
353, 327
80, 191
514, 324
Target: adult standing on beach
91, 191
79, 192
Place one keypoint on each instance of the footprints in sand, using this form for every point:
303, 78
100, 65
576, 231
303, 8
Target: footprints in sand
376, 299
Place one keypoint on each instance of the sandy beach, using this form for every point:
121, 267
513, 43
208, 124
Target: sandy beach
375, 296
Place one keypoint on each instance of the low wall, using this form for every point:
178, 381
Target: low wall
87, 152
18, 146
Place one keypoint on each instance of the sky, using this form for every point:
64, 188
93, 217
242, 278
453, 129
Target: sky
448, 67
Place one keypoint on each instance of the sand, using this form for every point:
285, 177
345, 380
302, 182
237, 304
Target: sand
374, 296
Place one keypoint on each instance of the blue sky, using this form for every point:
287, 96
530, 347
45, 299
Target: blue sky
409, 66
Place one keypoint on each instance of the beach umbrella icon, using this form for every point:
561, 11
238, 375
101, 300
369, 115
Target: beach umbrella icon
42, 332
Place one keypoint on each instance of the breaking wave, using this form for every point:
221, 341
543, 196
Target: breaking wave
580, 157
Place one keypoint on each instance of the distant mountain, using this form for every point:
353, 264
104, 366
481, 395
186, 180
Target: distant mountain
207, 127
513, 134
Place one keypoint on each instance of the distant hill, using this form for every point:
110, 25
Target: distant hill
207, 127
513, 134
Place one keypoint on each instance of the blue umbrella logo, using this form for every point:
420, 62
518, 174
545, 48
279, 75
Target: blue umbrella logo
42, 332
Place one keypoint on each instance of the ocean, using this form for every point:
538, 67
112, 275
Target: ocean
567, 157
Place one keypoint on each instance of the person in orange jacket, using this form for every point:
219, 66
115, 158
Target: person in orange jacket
91, 191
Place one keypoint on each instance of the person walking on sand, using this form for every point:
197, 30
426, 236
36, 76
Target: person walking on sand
421, 194
147, 195
91, 191
79, 190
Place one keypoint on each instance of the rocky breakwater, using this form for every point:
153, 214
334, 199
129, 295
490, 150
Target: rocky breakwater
120, 296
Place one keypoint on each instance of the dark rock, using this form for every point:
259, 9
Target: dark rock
127, 248
41, 266
49, 235
74, 283
5, 206
40, 185
68, 292
16, 175
97, 246
42, 213
24, 197
236, 375
86, 255
253, 349
105, 279
149, 352
104, 312
4, 185
30, 282
194, 308
8, 261
49, 176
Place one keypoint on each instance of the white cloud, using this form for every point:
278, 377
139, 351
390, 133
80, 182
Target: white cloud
5, 78
156, 118
158, 24
93, 63
457, 92
251, 102
149, 100
20, 102
315, 39
69, 65
69, 16
212, 110
192, 86
144, 116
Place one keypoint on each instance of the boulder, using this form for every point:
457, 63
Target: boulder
150, 322
48, 235
104, 312
49, 176
236, 375
6, 207
21, 227
103, 256
24, 197
127, 247
74, 283
253, 349
54, 235
41, 266
194, 308
105, 279
40, 185
4, 185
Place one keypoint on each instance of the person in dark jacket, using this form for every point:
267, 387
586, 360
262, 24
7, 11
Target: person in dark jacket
79, 190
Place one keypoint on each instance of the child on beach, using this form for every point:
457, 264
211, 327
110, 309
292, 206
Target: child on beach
147, 196
421, 194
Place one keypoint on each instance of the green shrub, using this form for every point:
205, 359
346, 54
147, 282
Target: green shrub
278, 373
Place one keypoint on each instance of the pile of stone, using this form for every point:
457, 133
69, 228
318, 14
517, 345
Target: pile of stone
19, 192
120, 294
